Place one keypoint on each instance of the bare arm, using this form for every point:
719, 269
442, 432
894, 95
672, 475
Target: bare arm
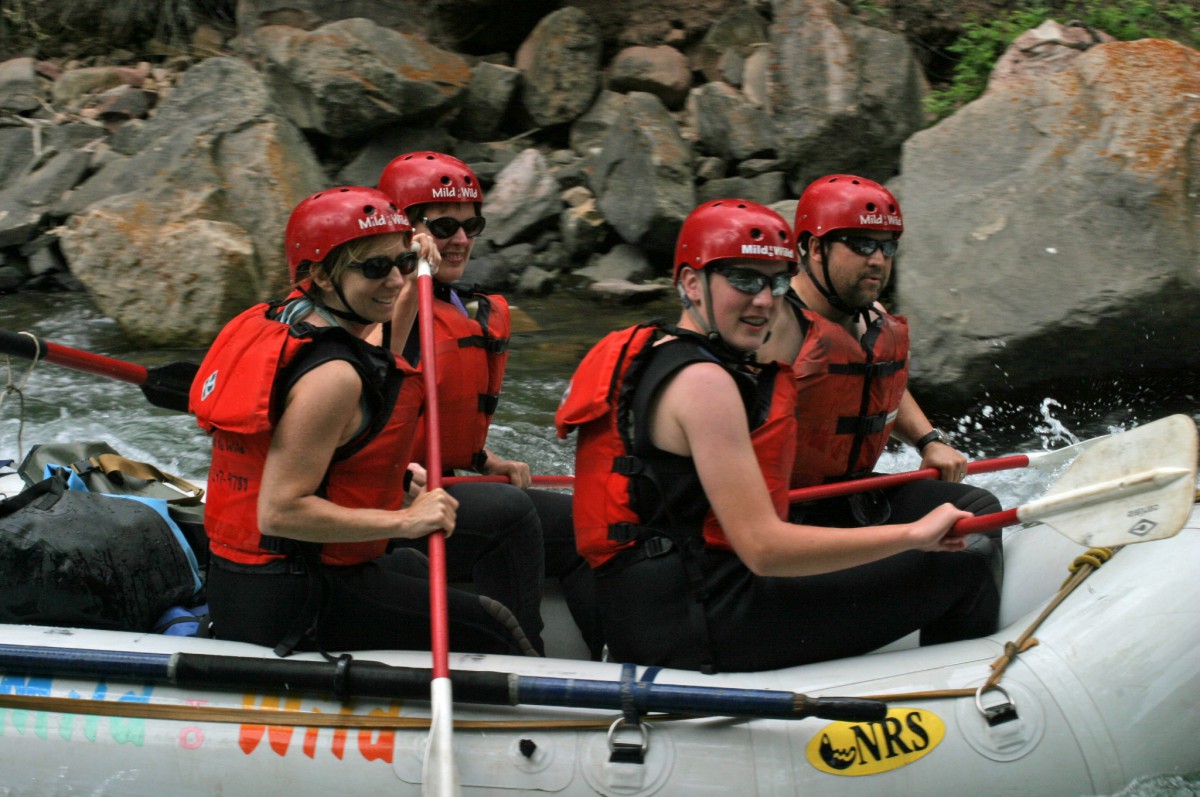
912, 425
700, 414
322, 412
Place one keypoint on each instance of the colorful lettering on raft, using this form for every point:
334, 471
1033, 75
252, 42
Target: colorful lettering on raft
122, 730
373, 745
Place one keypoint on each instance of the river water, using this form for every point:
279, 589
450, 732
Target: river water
55, 404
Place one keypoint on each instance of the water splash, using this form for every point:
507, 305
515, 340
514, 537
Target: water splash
1052, 430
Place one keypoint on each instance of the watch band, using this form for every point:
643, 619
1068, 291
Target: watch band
934, 436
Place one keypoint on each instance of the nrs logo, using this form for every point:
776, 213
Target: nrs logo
451, 192
876, 219
868, 748
383, 220
779, 252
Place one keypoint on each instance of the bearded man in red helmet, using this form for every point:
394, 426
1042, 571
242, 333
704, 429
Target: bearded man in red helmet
444, 200
852, 367
682, 472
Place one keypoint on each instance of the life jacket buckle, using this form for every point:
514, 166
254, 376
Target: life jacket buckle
657, 546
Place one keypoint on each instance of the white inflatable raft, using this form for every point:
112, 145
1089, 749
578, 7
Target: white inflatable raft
1091, 689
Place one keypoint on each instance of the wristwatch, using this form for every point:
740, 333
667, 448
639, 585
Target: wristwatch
935, 436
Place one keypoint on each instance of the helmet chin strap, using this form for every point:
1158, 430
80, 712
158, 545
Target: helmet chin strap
827, 290
709, 327
348, 314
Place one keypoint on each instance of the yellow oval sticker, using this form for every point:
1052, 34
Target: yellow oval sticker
868, 748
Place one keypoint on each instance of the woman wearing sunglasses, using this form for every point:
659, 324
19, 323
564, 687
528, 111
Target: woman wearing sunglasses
308, 403
505, 531
682, 468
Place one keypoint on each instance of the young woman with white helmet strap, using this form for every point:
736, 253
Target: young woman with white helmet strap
312, 413
682, 474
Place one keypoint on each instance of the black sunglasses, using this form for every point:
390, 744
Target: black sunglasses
379, 267
446, 226
866, 246
752, 282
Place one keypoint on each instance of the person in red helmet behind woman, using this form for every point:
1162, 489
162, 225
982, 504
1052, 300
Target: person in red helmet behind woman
442, 196
852, 369
308, 402
682, 468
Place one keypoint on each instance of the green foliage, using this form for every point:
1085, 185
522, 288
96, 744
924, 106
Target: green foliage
983, 42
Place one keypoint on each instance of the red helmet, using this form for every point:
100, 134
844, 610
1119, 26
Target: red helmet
335, 216
733, 229
843, 201
417, 178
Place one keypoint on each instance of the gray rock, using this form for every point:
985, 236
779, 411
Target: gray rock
765, 189
25, 202
629, 292
536, 281
11, 278
583, 230
642, 176
623, 263
399, 15
560, 64
488, 96
844, 96
729, 125
662, 71
589, 130
387, 144
352, 77
196, 215
1065, 248
738, 31
523, 200
20, 90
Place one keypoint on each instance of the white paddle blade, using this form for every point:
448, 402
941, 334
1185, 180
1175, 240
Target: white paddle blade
1049, 460
440, 773
1130, 487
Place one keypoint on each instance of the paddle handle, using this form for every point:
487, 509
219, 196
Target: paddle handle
981, 524
31, 347
541, 481
438, 602
822, 491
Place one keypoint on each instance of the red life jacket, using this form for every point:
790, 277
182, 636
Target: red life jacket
471, 355
245, 375
626, 491
848, 395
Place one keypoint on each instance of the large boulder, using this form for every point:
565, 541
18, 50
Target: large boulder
642, 174
1053, 225
351, 77
560, 64
524, 199
179, 236
844, 95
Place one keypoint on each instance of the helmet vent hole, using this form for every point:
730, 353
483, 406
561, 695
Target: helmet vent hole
756, 233
445, 180
870, 207
369, 210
